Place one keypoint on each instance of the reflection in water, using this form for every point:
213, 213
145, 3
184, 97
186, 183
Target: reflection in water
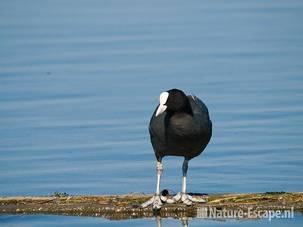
184, 221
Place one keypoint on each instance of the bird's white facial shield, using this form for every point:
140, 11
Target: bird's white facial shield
162, 107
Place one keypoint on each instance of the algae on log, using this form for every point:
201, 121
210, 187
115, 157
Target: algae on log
128, 206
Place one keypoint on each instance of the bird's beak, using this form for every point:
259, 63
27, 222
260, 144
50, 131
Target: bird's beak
161, 109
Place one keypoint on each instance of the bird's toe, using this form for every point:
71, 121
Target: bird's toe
188, 199
185, 198
155, 201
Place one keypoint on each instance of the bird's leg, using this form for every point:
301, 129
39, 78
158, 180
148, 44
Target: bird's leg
184, 221
184, 171
158, 221
183, 196
158, 199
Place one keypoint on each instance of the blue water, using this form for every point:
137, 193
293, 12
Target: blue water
51, 220
79, 81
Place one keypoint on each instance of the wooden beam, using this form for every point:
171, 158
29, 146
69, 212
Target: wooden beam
128, 206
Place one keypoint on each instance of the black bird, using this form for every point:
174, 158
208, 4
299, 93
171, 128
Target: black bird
180, 126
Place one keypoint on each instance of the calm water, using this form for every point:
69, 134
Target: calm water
50, 220
80, 79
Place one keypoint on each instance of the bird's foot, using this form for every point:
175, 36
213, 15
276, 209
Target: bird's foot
185, 198
156, 201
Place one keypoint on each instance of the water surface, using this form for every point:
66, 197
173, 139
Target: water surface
51, 220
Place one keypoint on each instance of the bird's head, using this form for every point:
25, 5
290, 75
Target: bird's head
173, 101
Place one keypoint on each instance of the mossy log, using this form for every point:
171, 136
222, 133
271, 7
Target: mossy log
128, 206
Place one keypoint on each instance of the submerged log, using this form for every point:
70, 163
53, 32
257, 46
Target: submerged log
128, 206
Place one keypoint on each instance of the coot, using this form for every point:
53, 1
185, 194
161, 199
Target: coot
180, 126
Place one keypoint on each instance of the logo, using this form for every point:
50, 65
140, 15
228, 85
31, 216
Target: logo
250, 213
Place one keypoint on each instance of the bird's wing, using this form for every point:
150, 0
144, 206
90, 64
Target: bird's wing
200, 113
198, 107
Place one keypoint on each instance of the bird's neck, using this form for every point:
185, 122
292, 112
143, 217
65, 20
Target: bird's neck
185, 110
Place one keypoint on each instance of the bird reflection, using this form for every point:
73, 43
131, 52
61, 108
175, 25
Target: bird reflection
184, 221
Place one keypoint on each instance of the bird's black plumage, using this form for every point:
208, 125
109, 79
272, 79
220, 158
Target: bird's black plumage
184, 129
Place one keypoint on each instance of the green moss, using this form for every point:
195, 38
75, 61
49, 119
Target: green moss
60, 194
274, 193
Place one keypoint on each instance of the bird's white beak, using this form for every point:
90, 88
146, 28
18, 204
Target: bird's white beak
160, 109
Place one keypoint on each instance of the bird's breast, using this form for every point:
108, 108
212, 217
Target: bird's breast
182, 126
